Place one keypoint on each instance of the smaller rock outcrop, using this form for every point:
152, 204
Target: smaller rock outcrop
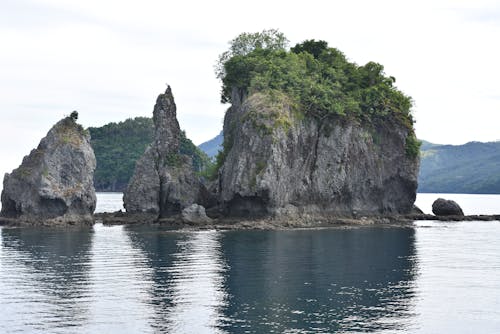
195, 214
164, 181
416, 210
55, 181
443, 207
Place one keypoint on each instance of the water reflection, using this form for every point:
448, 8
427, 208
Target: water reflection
319, 281
45, 283
148, 280
187, 279
119, 276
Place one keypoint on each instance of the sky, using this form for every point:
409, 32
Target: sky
110, 59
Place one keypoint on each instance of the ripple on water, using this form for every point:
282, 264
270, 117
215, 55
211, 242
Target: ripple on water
441, 278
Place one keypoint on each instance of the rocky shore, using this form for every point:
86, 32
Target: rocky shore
224, 223
178, 223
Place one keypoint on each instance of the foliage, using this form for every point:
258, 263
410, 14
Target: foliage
212, 169
245, 44
319, 79
74, 115
200, 159
311, 46
412, 146
117, 147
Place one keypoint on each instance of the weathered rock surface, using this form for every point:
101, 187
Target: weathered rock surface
164, 181
444, 207
55, 181
278, 162
195, 214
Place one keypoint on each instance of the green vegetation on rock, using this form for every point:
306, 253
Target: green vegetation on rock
318, 78
117, 147
412, 146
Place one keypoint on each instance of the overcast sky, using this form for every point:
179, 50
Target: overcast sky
110, 59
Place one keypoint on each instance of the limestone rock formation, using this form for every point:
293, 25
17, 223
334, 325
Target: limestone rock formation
444, 207
164, 181
195, 214
55, 181
277, 161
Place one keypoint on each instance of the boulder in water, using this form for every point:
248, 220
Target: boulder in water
444, 207
195, 214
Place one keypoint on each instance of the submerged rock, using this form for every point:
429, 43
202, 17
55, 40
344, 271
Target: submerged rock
444, 207
195, 214
274, 158
55, 181
164, 181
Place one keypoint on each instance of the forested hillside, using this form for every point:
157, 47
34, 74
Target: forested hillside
472, 168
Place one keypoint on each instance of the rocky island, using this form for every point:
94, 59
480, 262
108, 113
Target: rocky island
54, 183
296, 147
310, 139
310, 133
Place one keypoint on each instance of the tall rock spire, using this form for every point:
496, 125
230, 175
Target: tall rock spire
164, 181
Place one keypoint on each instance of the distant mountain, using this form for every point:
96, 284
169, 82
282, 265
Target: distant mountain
473, 168
117, 147
212, 147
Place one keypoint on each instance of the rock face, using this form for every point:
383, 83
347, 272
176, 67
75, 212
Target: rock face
278, 161
55, 181
164, 181
443, 207
195, 214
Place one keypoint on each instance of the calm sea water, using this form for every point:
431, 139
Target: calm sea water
431, 278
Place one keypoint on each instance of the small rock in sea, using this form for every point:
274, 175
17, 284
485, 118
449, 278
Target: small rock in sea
416, 210
444, 207
195, 214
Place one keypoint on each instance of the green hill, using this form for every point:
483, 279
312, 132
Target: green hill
117, 147
472, 168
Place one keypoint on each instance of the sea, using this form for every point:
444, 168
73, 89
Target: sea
431, 277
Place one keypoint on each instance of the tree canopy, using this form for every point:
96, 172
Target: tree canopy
320, 79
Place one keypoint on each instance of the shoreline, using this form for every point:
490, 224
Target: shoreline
175, 223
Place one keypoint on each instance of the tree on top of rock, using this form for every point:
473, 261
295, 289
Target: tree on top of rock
74, 115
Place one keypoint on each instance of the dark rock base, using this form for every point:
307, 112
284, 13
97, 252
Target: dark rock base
224, 223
